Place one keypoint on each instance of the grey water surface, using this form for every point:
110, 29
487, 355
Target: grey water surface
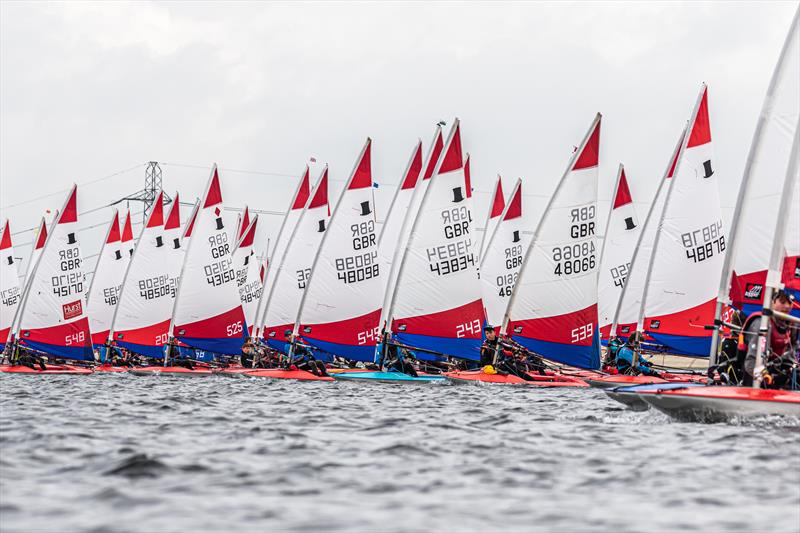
116, 452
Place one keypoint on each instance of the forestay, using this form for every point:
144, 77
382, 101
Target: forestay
141, 319
689, 248
53, 314
341, 306
248, 279
208, 313
437, 302
293, 270
299, 201
553, 307
503, 256
630, 299
621, 235
106, 282
10, 291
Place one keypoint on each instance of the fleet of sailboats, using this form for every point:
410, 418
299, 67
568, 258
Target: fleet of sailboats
424, 283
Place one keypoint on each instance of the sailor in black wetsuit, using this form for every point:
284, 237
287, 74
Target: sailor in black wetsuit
248, 355
398, 359
302, 358
489, 346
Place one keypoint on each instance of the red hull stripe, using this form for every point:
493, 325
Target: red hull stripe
59, 335
574, 329
227, 325
146, 336
688, 323
445, 323
353, 331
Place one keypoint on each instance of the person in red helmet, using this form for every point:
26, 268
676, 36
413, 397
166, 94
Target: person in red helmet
780, 352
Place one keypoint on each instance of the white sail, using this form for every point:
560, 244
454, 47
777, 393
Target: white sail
437, 300
109, 272
553, 306
208, 313
341, 306
630, 299
755, 217
246, 266
689, 248
299, 201
621, 235
504, 252
293, 270
53, 314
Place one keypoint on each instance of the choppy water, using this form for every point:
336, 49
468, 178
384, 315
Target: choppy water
127, 453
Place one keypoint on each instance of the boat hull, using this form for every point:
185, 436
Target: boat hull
478, 377
386, 377
622, 380
629, 396
51, 370
170, 371
111, 369
717, 404
277, 373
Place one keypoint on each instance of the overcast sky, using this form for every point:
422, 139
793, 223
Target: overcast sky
87, 90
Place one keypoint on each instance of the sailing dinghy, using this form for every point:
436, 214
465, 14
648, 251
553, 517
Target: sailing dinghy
10, 291
207, 313
53, 318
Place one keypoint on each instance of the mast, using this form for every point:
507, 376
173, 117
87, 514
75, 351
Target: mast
744, 189
498, 189
776, 257
620, 170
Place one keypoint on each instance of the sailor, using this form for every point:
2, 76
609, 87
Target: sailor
302, 358
615, 343
248, 355
625, 357
399, 360
780, 360
489, 346
176, 358
730, 360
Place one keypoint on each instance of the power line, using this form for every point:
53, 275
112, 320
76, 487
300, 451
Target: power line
83, 184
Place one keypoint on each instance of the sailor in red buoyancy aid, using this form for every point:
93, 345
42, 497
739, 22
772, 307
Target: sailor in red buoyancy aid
780, 352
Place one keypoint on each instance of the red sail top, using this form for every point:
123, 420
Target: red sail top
623, 193
113, 230
515, 204
321, 194
362, 175
174, 217
6, 241
701, 129
414, 169
590, 155
453, 158
499, 202
156, 217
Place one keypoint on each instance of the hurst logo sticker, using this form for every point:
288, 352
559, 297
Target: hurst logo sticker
753, 291
72, 309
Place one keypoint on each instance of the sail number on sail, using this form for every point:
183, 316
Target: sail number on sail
219, 272
454, 256
580, 257
71, 282
362, 266
703, 243
619, 273
157, 286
